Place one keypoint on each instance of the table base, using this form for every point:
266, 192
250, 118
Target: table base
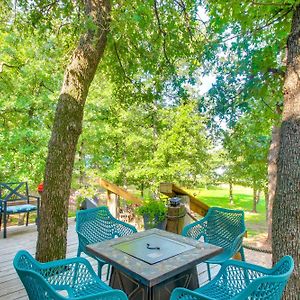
162, 291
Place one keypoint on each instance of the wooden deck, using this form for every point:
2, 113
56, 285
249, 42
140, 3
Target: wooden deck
25, 238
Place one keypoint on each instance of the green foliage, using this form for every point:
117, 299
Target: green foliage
155, 210
144, 144
246, 53
142, 124
28, 80
83, 193
246, 148
142, 130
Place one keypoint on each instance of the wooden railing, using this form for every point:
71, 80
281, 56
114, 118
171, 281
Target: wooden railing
117, 190
172, 190
114, 193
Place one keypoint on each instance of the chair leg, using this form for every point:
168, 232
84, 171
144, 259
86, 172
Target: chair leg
0, 219
78, 252
242, 254
27, 218
208, 271
4, 224
100, 265
108, 272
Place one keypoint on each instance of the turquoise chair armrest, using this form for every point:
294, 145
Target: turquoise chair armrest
66, 267
121, 225
237, 244
187, 229
83, 241
64, 262
243, 267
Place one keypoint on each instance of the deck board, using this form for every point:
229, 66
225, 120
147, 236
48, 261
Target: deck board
22, 237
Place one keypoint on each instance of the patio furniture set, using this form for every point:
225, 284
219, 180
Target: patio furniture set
153, 264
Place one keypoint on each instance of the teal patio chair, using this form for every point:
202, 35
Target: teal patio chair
221, 227
62, 279
96, 225
239, 280
15, 199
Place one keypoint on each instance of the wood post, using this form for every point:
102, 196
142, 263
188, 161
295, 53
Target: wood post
113, 204
196, 205
176, 216
186, 201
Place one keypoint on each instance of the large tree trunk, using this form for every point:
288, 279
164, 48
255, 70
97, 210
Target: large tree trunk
272, 176
51, 243
286, 208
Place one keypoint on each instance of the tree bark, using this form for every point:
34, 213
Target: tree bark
142, 189
51, 243
272, 176
266, 200
230, 193
254, 200
258, 196
81, 165
286, 208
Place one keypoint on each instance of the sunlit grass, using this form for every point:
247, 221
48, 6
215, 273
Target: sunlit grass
242, 199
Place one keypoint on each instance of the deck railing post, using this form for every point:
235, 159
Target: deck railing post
113, 204
186, 201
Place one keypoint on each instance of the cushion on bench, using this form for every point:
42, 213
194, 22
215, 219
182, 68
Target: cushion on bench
14, 209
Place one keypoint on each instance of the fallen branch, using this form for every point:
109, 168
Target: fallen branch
4, 64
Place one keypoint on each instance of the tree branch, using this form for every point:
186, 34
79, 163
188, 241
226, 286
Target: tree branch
269, 22
276, 71
186, 17
4, 64
45, 9
162, 32
42, 84
270, 3
121, 64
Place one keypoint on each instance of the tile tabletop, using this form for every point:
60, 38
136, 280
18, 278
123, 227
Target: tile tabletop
152, 274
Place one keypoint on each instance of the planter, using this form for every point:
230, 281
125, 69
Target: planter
149, 224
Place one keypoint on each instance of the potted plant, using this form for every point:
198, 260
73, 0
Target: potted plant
154, 213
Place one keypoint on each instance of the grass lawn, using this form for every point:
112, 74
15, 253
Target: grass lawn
242, 198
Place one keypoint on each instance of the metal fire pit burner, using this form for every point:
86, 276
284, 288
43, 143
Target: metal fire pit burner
153, 248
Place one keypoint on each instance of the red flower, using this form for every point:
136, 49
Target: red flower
40, 187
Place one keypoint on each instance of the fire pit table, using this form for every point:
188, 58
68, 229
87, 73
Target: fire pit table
148, 265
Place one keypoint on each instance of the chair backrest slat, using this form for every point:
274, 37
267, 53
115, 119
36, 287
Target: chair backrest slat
223, 226
14, 191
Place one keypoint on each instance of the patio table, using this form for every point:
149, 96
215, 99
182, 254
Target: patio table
148, 265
